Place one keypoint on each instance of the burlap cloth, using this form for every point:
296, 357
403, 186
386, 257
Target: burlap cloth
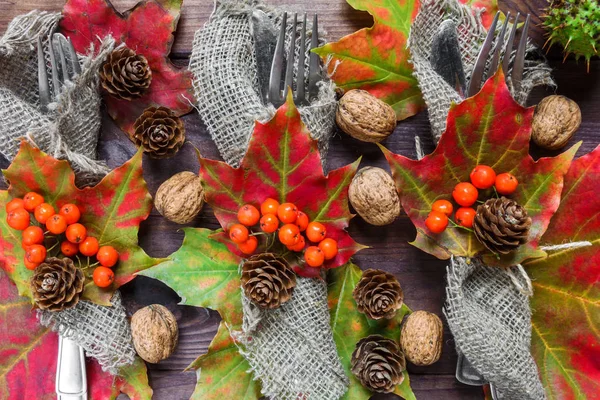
69, 130
487, 308
291, 349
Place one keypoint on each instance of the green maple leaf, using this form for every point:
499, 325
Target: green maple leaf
223, 372
376, 59
565, 338
28, 357
111, 211
489, 128
349, 326
204, 273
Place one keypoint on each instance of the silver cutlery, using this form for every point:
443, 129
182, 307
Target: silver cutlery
277, 94
477, 77
71, 379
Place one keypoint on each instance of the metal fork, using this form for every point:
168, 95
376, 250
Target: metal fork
71, 379
477, 77
61, 49
276, 95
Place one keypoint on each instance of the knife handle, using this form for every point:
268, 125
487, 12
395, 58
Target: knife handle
71, 378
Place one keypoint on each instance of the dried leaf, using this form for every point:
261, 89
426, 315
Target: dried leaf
204, 273
28, 355
349, 326
111, 211
376, 59
566, 303
283, 162
147, 29
489, 128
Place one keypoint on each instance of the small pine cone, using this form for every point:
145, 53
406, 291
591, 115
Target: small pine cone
378, 294
267, 280
159, 132
378, 363
125, 74
57, 284
501, 225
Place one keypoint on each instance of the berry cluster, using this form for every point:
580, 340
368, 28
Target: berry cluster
61, 228
289, 223
466, 194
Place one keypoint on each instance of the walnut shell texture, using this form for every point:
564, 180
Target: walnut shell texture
155, 333
373, 195
180, 198
421, 338
555, 121
365, 117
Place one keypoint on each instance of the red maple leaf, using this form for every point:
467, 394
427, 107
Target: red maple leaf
147, 29
492, 129
565, 340
111, 211
283, 162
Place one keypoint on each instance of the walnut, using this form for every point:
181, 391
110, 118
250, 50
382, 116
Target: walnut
180, 198
373, 195
365, 117
421, 338
155, 333
555, 120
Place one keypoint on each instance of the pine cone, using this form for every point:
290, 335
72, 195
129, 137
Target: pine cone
125, 75
57, 284
501, 225
159, 132
268, 280
378, 363
378, 294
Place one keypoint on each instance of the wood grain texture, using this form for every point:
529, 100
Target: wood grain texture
422, 276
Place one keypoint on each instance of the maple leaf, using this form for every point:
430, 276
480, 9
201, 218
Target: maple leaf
489, 128
565, 338
111, 211
28, 355
204, 273
376, 59
283, 162
349, 326
489, 9
147, 29
224, 372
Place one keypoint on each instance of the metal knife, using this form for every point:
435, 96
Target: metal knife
71, 378
265, 40
445, 56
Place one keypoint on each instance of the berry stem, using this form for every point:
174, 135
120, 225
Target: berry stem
496, 192
455, 225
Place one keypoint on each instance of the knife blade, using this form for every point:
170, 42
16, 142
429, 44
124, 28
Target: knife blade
265, 39
445, 56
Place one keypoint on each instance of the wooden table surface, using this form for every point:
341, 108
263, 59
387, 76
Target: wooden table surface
422, 276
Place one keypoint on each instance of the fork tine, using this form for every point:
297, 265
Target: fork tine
499, 46
42, 77
70, 53
300, 91
289, 73
477, 75
277, 66
54, 68
314, 71
509, 44
63, 62
518, 66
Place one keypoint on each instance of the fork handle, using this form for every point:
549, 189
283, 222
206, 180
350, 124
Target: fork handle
71, 379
